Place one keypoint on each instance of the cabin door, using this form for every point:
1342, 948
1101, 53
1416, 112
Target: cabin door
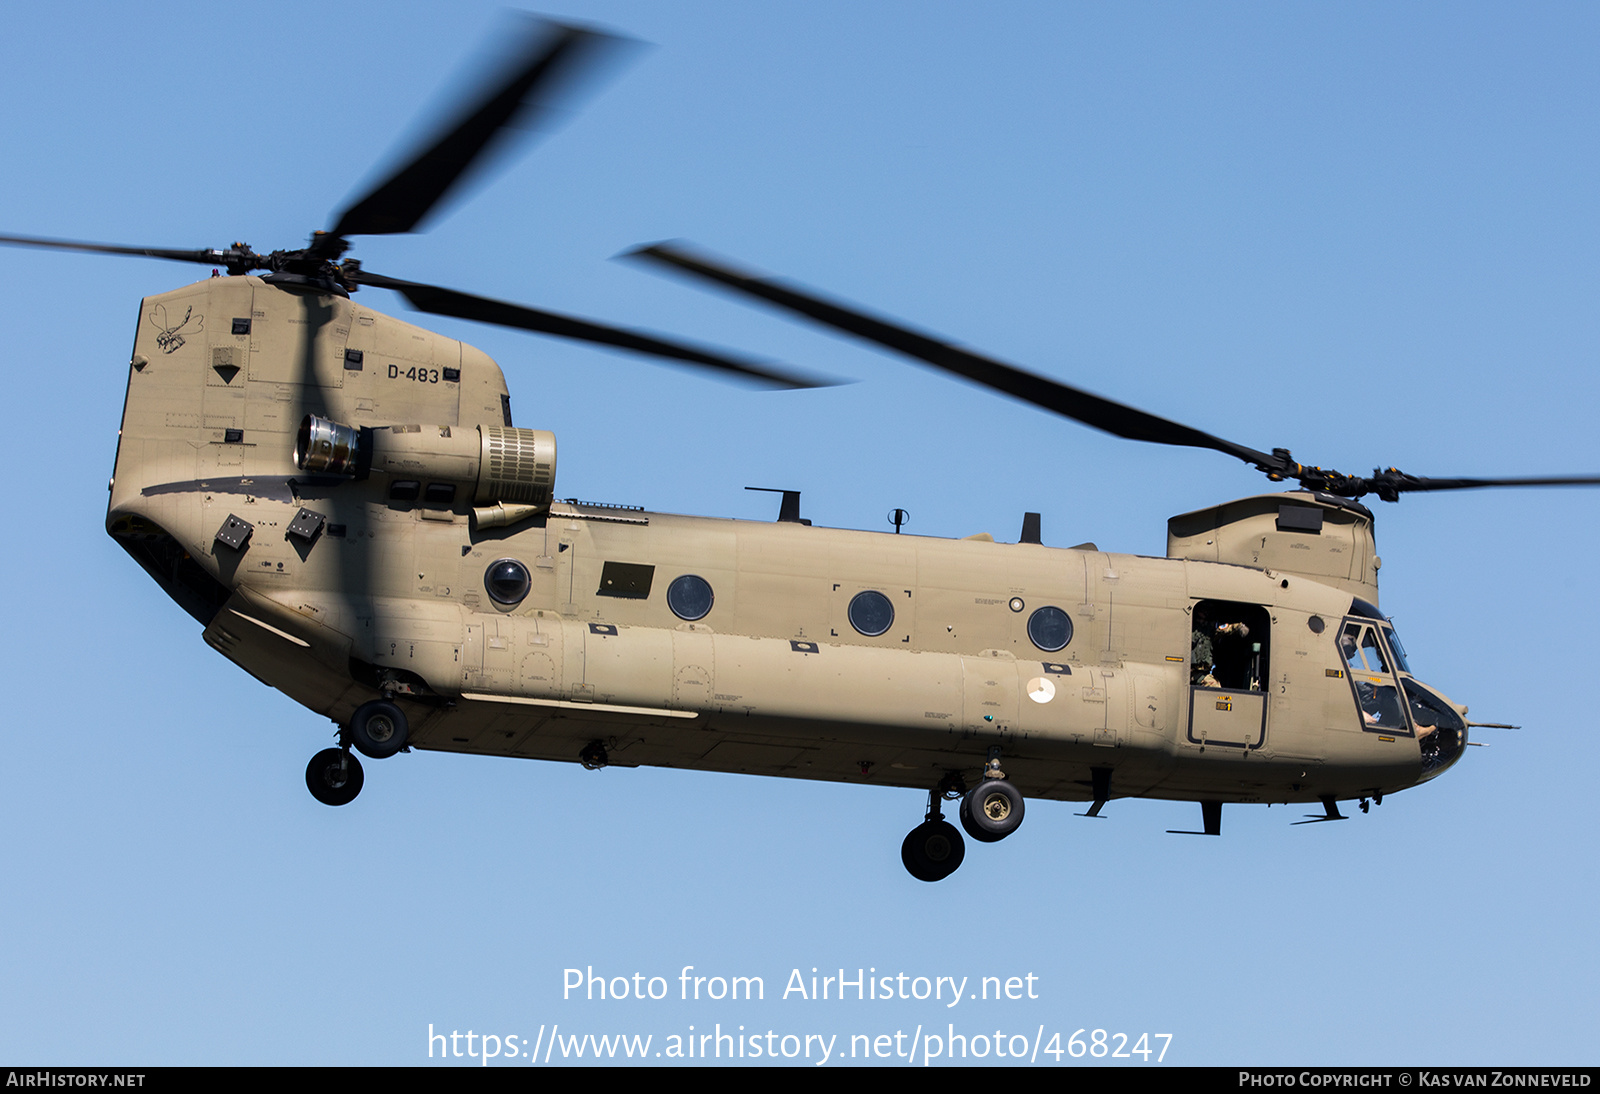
1228, 663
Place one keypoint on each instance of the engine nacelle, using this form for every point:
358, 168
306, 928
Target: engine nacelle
494, 463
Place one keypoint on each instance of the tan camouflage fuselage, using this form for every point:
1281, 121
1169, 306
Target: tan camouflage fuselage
773, 679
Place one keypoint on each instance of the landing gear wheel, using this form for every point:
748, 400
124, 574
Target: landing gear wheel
933, 850
992, 810
334, 777
378, 729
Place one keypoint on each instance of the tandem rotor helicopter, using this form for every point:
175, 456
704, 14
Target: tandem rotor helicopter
343, 503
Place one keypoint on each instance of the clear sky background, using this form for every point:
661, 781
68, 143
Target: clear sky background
1366, 232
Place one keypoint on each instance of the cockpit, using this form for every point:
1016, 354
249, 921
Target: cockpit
1388, 698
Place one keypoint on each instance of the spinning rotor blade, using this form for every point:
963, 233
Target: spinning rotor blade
550, 63
1070, 402
1413, 483
1393, 481
547, 66
1075, 403
227, 258
440, 301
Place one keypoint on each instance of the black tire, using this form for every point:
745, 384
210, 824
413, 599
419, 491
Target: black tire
334, 777
992, 810
933, 850
379, 729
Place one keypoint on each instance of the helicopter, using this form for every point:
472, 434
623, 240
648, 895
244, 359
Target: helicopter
342, 501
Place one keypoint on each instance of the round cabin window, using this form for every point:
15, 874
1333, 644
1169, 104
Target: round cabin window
871, 613
1050, 629
690, 597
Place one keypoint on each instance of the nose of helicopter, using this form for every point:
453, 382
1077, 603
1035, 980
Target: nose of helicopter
1441, 730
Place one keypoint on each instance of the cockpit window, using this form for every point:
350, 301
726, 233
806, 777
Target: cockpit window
1359, 644
1376, 696
1371, 652
1397, 649
1368, 610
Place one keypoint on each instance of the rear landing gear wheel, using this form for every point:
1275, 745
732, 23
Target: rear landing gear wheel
992, 810
334, 777
933, 850
379, 729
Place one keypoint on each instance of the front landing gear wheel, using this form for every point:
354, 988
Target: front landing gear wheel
933, 850
378, 730
334, 777
992, 810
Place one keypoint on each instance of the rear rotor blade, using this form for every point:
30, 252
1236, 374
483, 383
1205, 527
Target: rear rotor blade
441, 301
228, 258
550, 62
1082, 406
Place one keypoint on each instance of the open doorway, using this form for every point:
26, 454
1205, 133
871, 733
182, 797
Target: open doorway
1229, 647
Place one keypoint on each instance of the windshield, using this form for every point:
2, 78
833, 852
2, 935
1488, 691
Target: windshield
1367, 610
1397, 649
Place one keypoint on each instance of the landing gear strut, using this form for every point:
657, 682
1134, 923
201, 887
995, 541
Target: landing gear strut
377, 730
933, 849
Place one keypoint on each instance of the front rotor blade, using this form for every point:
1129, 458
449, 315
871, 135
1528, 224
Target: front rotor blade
1075, 403
440, 301
1398, 482
551, 60
204, 258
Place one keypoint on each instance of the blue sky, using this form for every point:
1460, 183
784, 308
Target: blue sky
1363, 232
